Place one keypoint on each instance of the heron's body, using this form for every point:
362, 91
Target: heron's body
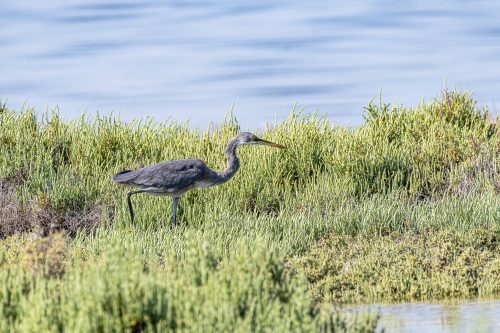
168, 178
174, 178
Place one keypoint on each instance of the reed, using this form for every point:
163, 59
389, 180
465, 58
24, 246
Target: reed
262, 252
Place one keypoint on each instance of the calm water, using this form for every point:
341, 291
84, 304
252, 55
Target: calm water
189, 59
481, 317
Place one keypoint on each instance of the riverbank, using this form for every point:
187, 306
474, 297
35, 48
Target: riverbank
404, 207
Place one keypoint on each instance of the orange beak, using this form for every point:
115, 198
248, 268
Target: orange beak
269, 143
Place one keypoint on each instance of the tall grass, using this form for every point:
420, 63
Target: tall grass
245, 257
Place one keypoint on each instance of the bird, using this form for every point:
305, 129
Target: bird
174, 178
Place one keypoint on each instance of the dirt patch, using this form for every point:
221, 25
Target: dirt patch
13, 219
16, 218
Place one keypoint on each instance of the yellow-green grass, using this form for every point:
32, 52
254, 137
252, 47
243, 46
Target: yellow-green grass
405, 207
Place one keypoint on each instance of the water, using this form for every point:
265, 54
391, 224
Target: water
480, 316
192, 59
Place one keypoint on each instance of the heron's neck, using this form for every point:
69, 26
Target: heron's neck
233, 163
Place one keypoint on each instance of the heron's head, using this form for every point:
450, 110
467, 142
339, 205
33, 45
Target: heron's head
246, 138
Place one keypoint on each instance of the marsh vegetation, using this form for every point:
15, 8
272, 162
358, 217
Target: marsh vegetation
402, 208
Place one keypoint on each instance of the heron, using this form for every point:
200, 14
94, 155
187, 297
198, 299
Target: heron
174, 178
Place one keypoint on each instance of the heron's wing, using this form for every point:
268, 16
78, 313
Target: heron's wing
174, 175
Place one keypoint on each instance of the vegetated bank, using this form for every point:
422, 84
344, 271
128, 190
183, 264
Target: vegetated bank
405, 207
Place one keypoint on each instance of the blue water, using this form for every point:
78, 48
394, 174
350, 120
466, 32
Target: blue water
194, 59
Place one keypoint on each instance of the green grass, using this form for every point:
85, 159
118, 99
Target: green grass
405, 207
447, 251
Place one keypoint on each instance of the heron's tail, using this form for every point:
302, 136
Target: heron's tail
121, 176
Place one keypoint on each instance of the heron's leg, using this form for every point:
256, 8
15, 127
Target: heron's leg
130, 209
175, 201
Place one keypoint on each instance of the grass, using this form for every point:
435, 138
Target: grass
407, 266
405, 207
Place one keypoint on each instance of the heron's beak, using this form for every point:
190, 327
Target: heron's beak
269, 143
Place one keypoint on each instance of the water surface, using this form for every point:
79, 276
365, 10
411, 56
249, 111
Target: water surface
192, 59
479, 316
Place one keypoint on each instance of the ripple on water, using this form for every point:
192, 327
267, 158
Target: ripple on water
477, 316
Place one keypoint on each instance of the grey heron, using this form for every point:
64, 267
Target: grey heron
174, 178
